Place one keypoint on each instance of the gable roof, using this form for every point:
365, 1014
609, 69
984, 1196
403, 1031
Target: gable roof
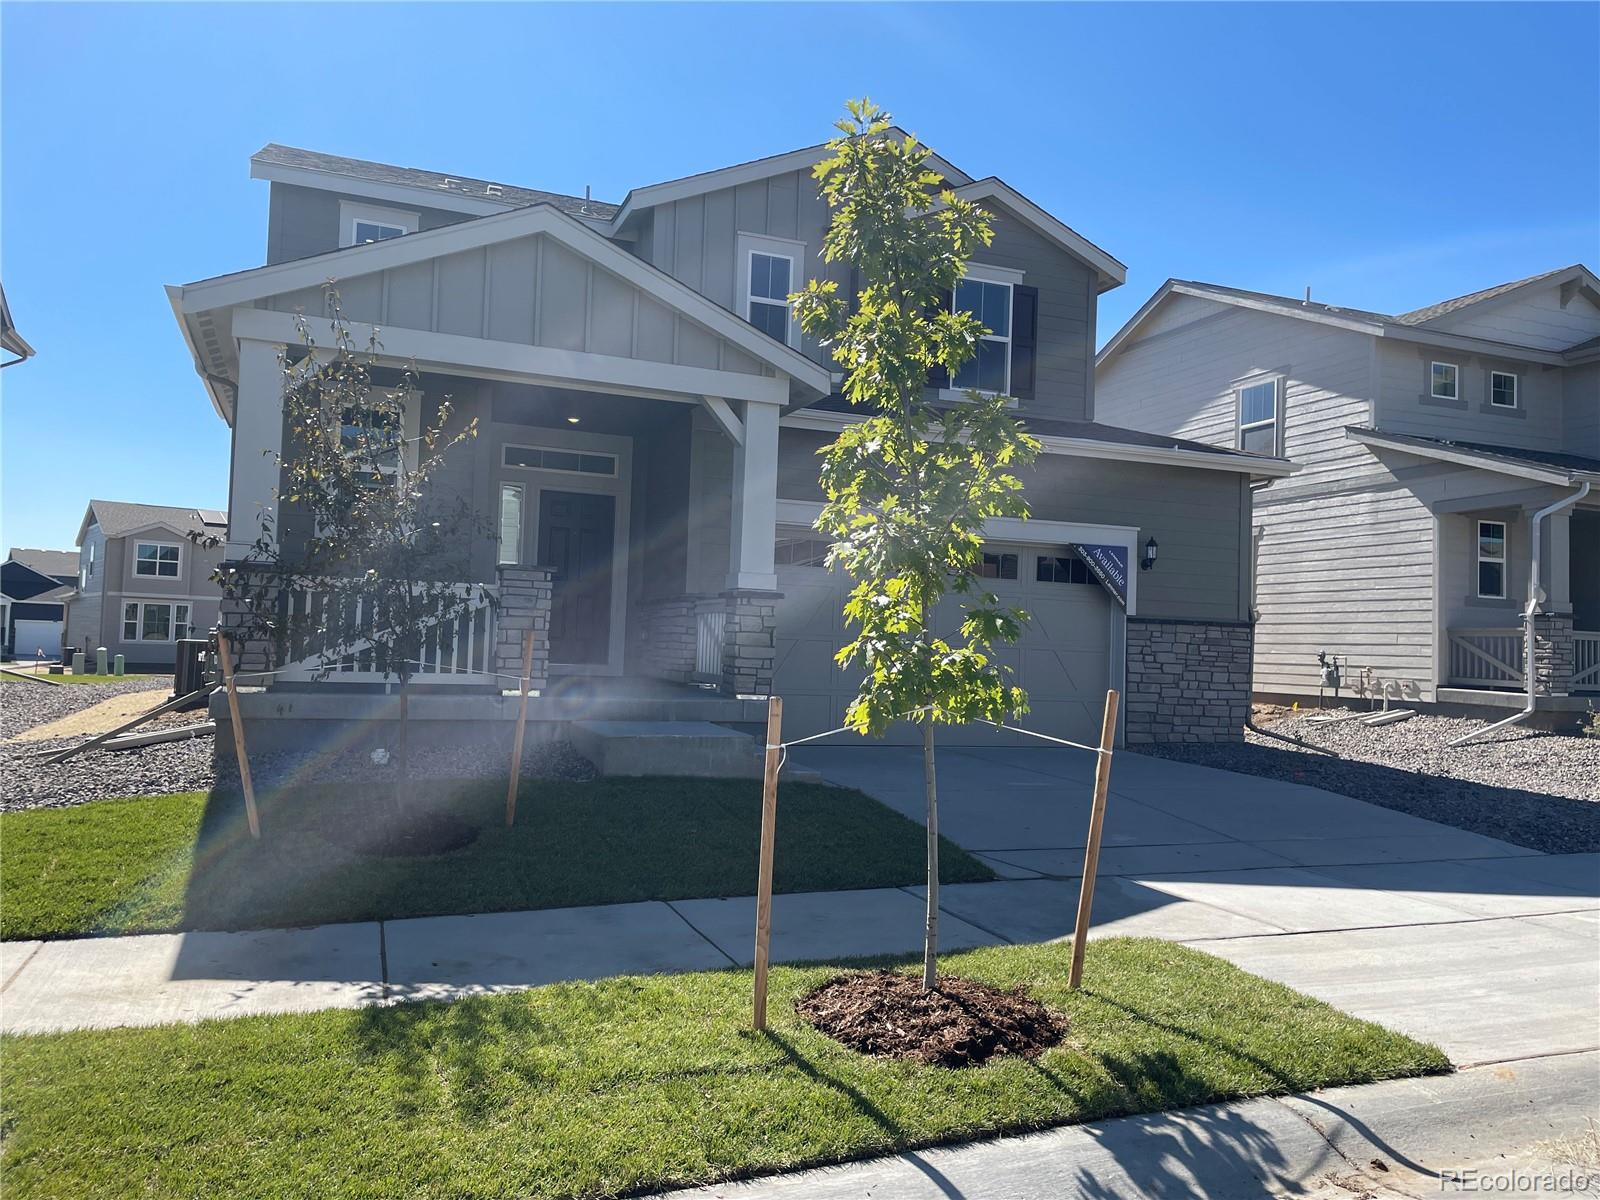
1412, 326
1110, 271
117, 518
49, 563
246, 287
1548, 466
10, 339
443, 191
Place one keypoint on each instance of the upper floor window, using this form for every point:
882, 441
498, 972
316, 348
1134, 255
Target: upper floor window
770, 276
1492, 560
362, 224
1258, 417
1502, 389
156, 560
990, 302
1445, 381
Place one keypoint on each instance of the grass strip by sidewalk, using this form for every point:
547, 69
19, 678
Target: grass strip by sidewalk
598, 1089
185, 862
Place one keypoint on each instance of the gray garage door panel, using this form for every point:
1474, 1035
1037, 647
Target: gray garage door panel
1063, 660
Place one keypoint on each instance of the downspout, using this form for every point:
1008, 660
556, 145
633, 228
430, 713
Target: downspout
1534, 596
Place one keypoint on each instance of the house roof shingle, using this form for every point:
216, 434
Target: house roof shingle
460, 185
54, 563
117, 517
1421, 316
1571, 464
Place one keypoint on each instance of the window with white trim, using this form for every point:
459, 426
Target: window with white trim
1502, 389
149, 621
510, 523
801, 550
1492, 560
551, 458
363, 232
1444, 381
1258, 417
990, 302
362, 224
770, 280
156, 560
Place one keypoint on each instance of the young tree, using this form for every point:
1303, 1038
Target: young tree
361, 531
910, 487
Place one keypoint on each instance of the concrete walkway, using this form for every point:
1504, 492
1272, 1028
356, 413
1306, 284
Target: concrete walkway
1488, 949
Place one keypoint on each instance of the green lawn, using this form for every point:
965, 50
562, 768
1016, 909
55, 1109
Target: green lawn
597, 1089
186, 862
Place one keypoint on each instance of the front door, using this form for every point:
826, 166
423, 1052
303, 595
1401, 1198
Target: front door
576, 538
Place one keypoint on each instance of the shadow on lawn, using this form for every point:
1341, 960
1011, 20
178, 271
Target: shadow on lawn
1537, 820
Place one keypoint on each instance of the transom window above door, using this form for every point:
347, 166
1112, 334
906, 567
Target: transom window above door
156, 560
551, 458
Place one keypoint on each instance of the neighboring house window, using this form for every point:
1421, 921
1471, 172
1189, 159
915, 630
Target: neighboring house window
1502, 389
156, 560
361, 224
1446, 381
770, 285
1492, 560
86, 572
1063, 570
510, 523
154, 622
369, 434
998, 566
374, 231
990, 302
1258, 417
800, 551
548, 458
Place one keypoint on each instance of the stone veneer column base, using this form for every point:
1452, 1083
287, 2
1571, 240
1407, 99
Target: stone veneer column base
1554, 654
524, 606
749, 642
1188, 681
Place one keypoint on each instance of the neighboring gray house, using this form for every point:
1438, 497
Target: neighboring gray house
1427, 442
34, 589
143, 582
649, 419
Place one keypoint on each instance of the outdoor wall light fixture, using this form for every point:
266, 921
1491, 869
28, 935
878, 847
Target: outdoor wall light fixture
572, 420
1148, 558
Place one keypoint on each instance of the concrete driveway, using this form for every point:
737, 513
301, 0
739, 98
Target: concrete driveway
1490, 950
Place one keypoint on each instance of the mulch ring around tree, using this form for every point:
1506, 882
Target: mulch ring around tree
962, 1023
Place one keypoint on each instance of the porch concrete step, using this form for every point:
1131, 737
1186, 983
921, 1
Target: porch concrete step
696, 748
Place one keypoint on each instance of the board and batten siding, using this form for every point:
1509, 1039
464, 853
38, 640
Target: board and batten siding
696, 241
1200, 519
532, 291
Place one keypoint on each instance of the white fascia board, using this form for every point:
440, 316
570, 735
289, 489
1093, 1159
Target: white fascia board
245, 287
175, 298
1466, 458
761, 168
1069, 239
181, 534
1239, 464
519, 362
390, 193
1133, 322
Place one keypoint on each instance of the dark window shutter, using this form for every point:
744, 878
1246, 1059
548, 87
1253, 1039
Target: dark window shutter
1024, 339
938, 377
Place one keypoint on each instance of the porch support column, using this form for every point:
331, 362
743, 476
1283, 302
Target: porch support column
755, 501
257, 441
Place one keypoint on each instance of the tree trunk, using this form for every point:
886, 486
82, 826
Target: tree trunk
930, 943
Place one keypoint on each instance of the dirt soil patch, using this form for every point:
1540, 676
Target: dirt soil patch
962, 1023
97, 718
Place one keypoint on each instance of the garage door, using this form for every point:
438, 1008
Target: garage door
33, 636
1063, 659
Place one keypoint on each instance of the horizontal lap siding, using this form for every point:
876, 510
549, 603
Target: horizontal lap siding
1538, 319
1404, 405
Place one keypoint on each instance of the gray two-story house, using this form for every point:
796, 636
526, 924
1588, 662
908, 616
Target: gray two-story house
649, 420
144, 580
1432, 445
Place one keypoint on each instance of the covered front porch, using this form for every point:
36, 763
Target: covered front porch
625, 458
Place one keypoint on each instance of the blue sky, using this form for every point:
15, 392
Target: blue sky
1387, 155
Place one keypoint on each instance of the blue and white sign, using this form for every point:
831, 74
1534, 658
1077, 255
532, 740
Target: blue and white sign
1110, 567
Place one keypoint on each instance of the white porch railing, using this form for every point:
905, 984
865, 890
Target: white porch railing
460, 652
1486, 658
710, 625
1585, 661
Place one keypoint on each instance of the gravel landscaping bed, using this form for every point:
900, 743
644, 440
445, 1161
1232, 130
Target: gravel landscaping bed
1538, 790
26, 781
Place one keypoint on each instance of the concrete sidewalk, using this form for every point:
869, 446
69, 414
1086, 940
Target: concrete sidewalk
1409, 1137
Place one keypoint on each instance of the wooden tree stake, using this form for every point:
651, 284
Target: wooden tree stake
225, 652
1091, 853
769, 821
516, 738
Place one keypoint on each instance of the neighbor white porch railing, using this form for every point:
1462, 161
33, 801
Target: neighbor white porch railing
1486, 658
460, 652
710, 624
1585, 661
